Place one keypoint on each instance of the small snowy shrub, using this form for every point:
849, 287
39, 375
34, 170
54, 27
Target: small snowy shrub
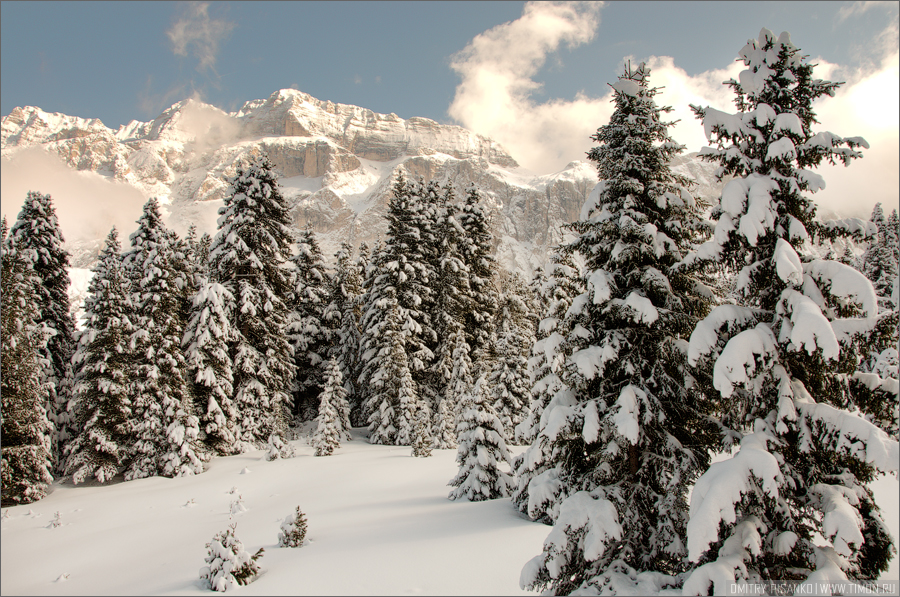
293, 530
229, 562
279, 447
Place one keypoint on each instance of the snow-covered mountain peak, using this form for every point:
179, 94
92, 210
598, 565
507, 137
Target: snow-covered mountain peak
336, 162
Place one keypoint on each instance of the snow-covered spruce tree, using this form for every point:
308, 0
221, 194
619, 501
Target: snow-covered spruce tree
248, 257
781, 358
453, 301
332, 417
397, 332
105, 367
306, 328
481, 450
422, 438
37, 232
627, 434
165, 426
478, 258
25, 430
352, 335
228, 563
538, 491
512, 341
342, 314
206, 340
879, 261
293, 530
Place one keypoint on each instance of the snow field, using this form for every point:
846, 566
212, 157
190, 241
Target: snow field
379, 521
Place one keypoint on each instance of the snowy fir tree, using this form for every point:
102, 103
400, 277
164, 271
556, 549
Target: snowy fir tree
37, 232
105, 367
278, 446
541, 500
879, 261
481, 451
293, 530
450, 377
165, 426
306, 328
332, 423
781, 358
26, 431
627, 434
512, 340
249, 257
423, 438
482, 269
228, 562
342, 314
206, 340
396, 331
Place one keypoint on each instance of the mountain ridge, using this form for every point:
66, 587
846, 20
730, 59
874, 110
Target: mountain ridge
335, 162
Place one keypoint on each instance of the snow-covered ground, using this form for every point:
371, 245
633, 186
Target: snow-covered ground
379, 521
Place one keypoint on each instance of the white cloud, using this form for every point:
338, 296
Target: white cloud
857, 8
87, 204
497, 70
199, 33
494, 98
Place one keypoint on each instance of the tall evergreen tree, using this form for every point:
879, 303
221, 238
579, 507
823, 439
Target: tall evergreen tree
538, 492
164, 422
626, 434
38, 234
25, 428
342, 315
879, 261
512, 341
482, 269
332, 422
248, 256
781, 357
453, 301
105, 365
307, 331
396, 332
482, 450
206, 341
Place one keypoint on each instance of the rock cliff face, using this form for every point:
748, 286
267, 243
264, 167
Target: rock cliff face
336, 163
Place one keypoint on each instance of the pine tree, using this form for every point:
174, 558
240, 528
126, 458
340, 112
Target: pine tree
38, 234
306, 329
422, 436
164, 422
482, 269
513, 339
293, 530
879, 261
396, 331
780, 358
105, 366
26, 431
206, 340
332, 422
626, 435
453, 301
341, 316
229, 564
248, 257
538, 490
481, 450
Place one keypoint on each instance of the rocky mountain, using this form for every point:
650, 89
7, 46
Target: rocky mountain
336, 163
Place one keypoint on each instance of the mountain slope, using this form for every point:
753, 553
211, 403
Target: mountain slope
336, 164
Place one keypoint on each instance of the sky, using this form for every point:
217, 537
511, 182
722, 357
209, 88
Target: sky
533, 76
